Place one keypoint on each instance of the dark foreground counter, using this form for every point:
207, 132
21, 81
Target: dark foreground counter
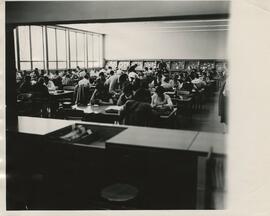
172, 169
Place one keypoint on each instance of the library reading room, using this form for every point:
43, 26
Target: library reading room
116, 105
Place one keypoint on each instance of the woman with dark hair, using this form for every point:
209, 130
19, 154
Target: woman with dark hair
137, 111
39, 89
126, 95
101, 95
160, 99
26, 86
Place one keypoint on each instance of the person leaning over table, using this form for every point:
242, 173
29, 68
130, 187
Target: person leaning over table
175, 83
50, 85
101, 96
137, 111
126, 95
161, 100
85, 81
26, 86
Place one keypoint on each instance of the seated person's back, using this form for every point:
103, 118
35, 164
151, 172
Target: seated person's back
101, 95
39, 89
26, 86
137, 111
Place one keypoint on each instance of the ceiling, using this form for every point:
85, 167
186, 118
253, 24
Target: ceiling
154, 26
95, 11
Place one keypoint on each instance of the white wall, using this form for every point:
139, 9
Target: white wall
167, 45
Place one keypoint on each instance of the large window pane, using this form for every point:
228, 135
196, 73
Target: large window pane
51, 45
80, 46
96, 64
73, 64
24, 43
61, 45
96, 47
25, 65
62, 65
81, 64
73, 46
37, 46
38, 65
52, 65
90, 48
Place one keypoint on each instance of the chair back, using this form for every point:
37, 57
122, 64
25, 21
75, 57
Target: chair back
69, 88
70, 114
82, 95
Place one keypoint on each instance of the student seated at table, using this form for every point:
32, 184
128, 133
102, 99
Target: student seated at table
167, 85
85, 81
198, 83
175, 83
137, 111
57, 80
101, 95
126, 95
101, 78
39, 89
113, 83
157, 80
66, 81
26, 86
160, 100
50, 85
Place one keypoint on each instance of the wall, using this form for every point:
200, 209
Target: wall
167, 45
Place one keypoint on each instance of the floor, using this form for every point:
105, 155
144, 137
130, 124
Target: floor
207, 119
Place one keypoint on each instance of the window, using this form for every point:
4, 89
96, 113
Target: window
73, 49
90, 50
61, 49
24, 47
53, 47
81, 49
51, 34
37, 47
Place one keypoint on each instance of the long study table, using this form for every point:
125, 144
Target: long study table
161, 163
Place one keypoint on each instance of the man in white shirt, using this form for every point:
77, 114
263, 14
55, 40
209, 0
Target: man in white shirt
50, 85
85, 81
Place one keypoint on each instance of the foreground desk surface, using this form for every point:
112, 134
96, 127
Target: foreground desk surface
136, 136
165, 165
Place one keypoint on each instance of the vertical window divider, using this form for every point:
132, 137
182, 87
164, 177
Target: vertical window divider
85, 49
43, 48
18, 48
30, 41
56, 53
66, 47
69, 63
86, 44
46, 45
93, 57
76, 49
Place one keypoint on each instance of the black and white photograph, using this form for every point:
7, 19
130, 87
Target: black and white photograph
116, 105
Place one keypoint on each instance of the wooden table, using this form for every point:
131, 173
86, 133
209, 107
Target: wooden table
55, 94
102, 110
162, 164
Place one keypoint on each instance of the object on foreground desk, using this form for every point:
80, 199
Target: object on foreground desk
76, 133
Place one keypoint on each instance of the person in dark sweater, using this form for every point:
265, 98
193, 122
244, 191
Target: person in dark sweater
126, 95
26, 86
137, 111
39, 89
